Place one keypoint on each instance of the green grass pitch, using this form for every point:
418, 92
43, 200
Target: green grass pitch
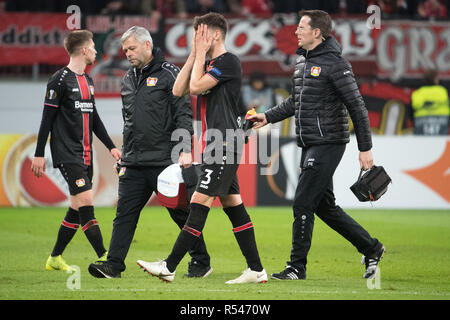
416, 264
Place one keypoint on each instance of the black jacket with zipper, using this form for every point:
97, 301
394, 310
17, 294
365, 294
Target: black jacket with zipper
324, 88
151, 113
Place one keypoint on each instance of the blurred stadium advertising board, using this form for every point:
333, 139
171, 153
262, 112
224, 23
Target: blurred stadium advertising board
419, 168
20, 188
400, 49
28, 38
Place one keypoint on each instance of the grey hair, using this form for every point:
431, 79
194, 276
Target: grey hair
141, 34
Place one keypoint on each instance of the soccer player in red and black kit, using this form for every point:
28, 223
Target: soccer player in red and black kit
71, 117
217, 83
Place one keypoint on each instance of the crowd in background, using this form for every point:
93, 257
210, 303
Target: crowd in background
257, 92
407, 9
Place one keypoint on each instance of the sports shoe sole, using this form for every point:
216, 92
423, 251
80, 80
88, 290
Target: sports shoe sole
208, 273
99, 273
280, 279
383, 250
50, 268
159, 277
203, 276
250, 282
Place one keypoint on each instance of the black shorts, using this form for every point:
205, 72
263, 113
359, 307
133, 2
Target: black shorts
78, 177
217, 179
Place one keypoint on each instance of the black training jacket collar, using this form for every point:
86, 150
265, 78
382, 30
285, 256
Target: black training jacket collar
155, 63
329, 45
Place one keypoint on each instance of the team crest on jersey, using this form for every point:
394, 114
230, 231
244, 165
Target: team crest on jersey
91, 89
151, 82
51, 94
122, 171
80, 183
315, 71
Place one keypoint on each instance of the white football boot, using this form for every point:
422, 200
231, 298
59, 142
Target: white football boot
250, 276
157, 269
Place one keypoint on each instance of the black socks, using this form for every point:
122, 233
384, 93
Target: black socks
242, 228
188, 235
91, 229
245, 235
67, 230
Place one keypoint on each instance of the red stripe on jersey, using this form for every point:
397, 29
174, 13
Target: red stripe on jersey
84, 87
204, 126
86, 142
244, 227
192, 231
69, 225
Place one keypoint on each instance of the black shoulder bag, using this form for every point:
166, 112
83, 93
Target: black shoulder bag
372, 184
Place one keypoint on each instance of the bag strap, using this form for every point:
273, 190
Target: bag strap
360, 175
362, 171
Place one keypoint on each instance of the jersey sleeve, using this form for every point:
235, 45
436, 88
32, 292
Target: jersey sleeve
54, 93
53, 97
224, 69
48, 117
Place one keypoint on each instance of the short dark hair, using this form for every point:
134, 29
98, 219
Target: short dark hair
213, 20
430, 76
75, 40
319, 19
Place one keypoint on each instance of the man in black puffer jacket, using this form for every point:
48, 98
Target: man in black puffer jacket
324, 90
151, 113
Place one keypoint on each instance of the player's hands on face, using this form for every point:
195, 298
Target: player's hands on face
259, 119
38, 166
194, 34
116, 154
366, 160
203, 40
185, 159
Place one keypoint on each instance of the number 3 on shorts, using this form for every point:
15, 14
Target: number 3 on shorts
208, 176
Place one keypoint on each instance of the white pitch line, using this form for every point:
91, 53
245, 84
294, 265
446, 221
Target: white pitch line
355, 292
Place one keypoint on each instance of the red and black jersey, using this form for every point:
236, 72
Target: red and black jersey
220, 107
69, 103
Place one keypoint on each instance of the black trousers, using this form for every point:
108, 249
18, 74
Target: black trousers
136, 185
314, 194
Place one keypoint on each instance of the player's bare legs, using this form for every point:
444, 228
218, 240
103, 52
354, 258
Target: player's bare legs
82, 199
202, 199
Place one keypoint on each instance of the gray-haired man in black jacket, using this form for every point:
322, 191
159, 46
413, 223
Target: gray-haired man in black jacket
150, 113
324, 92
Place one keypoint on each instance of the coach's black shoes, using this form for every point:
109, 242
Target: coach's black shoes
198, 270
372, 263
103, 269
291, 273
